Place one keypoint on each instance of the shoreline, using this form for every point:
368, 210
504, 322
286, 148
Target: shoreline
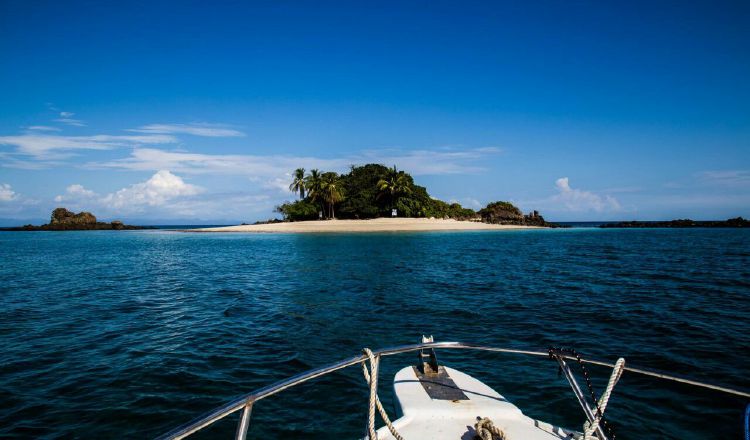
370, 225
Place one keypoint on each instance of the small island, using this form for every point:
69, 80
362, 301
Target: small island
737, 222
372, 198
64, 220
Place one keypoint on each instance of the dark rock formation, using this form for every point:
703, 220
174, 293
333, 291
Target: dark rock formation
505, 213
62, 216
64, 220
738, 222
536, 219
270, 221
501, 213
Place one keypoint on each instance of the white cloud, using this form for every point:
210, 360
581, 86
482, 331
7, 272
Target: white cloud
430, 162
206, 130
67, 119
577, 200
75, 192
728, 178
417, 162
71, 122
150, 159
6, 193
13, 204
46, 148
50, 147
160, 188
219, 206
278, 184
9, 160
42, 128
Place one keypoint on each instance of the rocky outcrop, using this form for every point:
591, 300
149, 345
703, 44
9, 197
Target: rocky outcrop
505, 213
62, 216
737, 222
501, 213
64, 220
536, 219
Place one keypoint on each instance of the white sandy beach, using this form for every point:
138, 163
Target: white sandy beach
373, 225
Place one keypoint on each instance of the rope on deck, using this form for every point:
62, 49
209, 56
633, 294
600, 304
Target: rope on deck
486, 430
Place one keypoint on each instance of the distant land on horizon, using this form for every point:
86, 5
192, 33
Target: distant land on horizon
168, 223
369, 191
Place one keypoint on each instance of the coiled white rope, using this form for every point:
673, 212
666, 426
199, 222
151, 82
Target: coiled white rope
371, 377
486, 430
590, 428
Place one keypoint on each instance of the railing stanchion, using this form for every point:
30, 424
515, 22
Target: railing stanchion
246, 402
579, 395
244, 422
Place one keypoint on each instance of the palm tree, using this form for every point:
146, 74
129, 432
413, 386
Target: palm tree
313, 186
394, 184
298, 184
331, 190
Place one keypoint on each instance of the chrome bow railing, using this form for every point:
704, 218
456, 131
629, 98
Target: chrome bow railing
246, 402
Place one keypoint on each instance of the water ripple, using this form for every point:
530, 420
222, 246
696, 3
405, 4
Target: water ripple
127, 334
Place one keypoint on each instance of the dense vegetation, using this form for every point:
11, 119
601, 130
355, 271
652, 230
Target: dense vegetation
367, 191
372, 190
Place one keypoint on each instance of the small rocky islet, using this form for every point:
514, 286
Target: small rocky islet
505, 213
64, 220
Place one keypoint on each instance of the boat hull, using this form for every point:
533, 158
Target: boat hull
438, 409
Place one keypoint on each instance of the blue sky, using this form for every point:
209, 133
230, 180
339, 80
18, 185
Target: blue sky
188, 112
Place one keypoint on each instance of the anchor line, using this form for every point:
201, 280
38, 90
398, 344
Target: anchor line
610, 430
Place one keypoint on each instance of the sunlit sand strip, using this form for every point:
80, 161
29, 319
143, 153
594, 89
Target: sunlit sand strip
374, 225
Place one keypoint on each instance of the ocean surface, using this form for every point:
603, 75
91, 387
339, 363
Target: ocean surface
128, 334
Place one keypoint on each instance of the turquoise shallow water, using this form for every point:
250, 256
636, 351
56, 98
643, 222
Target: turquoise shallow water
128, 334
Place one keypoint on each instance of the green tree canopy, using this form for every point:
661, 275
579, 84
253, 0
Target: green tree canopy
332, 191
313, 184
298, 182
394, 184
366, 191
361, 189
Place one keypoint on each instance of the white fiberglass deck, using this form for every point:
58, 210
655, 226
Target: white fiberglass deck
423, 417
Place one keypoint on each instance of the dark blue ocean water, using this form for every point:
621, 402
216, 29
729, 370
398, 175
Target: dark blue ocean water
130, 333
